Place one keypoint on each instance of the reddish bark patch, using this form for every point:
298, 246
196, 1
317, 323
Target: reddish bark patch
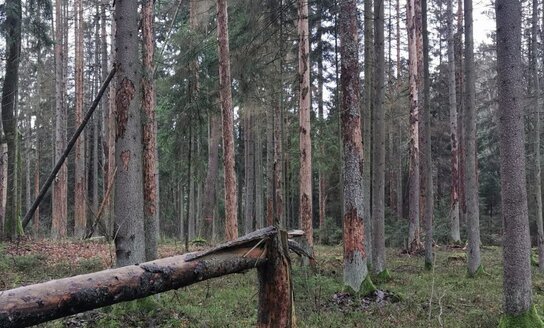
354, 234
123, 97
125, 157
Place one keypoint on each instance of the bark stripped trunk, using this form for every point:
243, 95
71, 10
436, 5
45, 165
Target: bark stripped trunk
355, 255
472, 197
57, 298
454, 193
414, 33
516, 241
60, 187
367, 125
128, 207
537, 192
9, 111
378, 144
80, 188
227, 114
426, 163
305, 147
151, 171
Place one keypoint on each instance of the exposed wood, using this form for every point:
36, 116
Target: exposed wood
71, 144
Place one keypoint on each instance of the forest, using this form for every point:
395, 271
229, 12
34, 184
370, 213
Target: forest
362, 163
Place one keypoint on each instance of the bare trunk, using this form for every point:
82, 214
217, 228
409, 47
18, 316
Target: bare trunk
378, 143
355, 255
398, 142
472, 197
227, 114
128, 207
259, 207
414, 33
305, 174
516, 241
454, 190
151, 171
80, 188
249, 155
320, 107
59, 201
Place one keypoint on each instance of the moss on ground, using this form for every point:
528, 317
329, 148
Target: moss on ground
478, 273
529, 319
383, 277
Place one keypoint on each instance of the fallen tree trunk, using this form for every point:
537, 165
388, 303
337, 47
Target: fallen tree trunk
29, 305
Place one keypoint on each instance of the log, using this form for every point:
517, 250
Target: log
30, 305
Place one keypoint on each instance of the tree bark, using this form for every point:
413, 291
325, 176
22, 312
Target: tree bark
355, 255
516, 242
9, 112
80, 187
305, 146
367, 125
227, 114
414, 33
537, 192
151, 170
454, 190
378, 144
472, 197
426, 163
249, 168
60, 187
128, 206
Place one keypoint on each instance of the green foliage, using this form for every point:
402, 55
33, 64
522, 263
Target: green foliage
199, 241
330, 234
529, 319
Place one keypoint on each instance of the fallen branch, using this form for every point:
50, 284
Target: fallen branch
69, 147
102, 205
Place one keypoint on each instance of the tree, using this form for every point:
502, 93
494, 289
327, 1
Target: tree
518, 307
128, 206
425, 139
537, 192
414, 34
356, 276
305, 174
60, 187
454, 140
367, 124
378, 145
151, 175
80, 188
225, 93
471, 172
9, 113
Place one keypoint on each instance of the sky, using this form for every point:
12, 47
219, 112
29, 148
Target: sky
483, 25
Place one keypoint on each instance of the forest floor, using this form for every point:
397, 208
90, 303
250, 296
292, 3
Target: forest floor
231, 301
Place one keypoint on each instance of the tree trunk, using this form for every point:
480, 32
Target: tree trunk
472, 197
454, 190
322, 189
60, 187
516, 241
537, 192
367, 125
249, 169
128, 207
9, 112
80, 188
305, 174
398, 142
414, 33
259, 207
54, 299
378, 144
227, 114
426, 163
151, 171
460, 81
208, 204
355, 255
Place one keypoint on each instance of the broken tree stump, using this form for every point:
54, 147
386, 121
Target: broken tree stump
33, 304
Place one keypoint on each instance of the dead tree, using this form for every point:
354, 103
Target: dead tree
265, 249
